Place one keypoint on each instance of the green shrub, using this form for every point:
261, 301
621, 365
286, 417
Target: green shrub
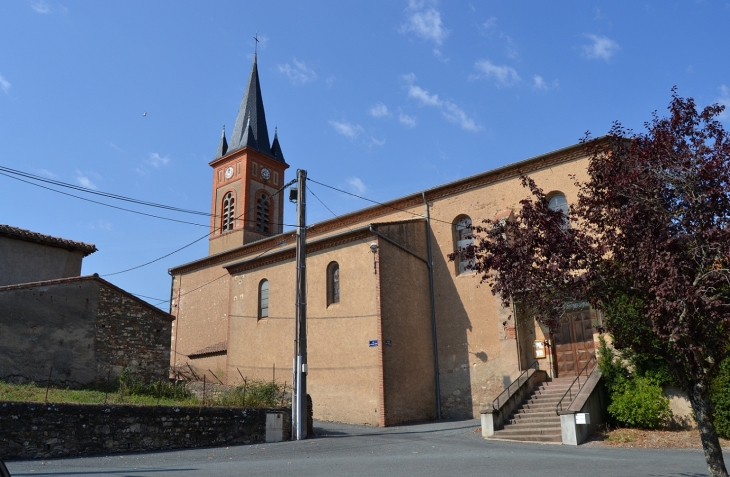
720, 394
639, 402
634, 384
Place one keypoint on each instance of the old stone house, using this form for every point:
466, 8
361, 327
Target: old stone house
396, 331
75, 329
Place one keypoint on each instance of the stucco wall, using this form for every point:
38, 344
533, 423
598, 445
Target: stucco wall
83, 330
23, 262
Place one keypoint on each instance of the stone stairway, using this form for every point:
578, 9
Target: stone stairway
535, 420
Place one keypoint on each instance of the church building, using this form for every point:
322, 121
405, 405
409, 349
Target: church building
396, 332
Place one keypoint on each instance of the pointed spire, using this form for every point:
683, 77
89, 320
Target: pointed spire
251, 116
276, 147
223, 145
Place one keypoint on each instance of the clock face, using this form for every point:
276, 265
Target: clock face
265, 174
229, 173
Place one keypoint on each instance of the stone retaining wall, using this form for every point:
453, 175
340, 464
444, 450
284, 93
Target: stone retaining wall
38, 430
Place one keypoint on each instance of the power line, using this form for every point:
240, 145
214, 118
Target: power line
98, 192
198, 239
102, 203
379, 203
225, 274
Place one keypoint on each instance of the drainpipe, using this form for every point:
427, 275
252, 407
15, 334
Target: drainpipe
428, 263
433, 308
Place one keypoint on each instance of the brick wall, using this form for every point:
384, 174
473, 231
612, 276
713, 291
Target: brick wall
38, 430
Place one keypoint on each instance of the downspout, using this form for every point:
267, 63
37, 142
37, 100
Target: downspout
428, 263
433, 308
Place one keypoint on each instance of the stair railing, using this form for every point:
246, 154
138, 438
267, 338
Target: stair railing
521, 379
569, 392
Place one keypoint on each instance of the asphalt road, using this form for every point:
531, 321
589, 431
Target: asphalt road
424, 450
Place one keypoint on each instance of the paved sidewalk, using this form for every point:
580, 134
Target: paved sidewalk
425, 450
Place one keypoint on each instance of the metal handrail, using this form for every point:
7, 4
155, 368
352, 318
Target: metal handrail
580, 386
495, 403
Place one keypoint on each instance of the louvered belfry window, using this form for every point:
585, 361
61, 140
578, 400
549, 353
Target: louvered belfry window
263, 207
229, 212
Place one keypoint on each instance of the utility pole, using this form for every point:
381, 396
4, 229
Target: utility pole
299, 385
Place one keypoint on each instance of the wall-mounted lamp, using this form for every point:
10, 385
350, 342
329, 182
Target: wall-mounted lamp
374, 249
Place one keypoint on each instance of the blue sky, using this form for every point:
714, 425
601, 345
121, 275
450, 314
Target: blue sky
380, 98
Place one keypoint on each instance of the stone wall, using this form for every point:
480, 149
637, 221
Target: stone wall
131, 333
46, 430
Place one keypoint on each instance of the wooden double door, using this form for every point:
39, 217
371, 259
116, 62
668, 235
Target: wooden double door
574, 346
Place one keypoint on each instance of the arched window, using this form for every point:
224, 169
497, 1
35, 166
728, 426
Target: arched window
229, 212
263, 213
333, 283
464, 238
557, 201
264, 299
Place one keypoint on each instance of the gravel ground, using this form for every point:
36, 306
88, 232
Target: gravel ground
680, 439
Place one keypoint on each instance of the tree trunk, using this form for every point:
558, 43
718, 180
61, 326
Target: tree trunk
699, 397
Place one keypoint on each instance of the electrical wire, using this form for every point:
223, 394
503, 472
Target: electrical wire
278, 244
28, 175
380, 203
215, 229
102, 203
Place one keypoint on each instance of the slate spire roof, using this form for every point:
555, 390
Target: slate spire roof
222, 146
250, 128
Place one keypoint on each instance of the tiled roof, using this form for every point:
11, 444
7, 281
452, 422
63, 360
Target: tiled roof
221, 347
35, 237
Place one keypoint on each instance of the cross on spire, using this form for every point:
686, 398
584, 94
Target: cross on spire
256, 48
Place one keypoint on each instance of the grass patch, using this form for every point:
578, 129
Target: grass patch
129, 390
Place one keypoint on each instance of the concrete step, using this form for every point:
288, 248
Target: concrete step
544, 439
531, 419
527, 413
521, 433
530, 425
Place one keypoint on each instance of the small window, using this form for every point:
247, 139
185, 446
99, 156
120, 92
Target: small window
464, 238
333, 283
557, 201
254, 169
229, 210
263, 213
276, 178
264, 299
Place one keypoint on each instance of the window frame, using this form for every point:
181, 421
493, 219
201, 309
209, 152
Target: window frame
228, 212
333, 283
263, 301
459, 242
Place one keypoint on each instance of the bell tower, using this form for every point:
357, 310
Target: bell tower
247, 173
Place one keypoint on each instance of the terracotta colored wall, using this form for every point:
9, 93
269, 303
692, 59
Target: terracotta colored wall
407, 347
200, 303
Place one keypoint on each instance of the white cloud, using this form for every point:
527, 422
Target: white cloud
114, 146
449, 110
377, 142
157, 161
379, 111
490, 24
347, 129
40, 7
425, 22
300, 73
47, 173
84, 181
503, 75
5, 85
426, 99
539, 83
406, 120
602, 48
356, 185
724, 100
